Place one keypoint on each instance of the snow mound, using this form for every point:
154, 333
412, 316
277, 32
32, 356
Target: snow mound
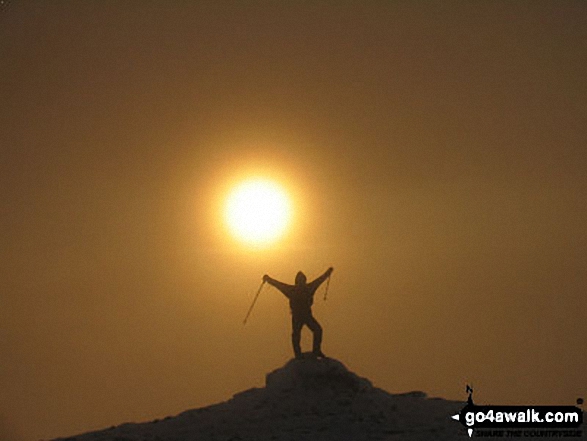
306, 399
315, 376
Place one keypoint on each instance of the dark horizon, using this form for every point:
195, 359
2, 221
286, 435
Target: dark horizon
434, 152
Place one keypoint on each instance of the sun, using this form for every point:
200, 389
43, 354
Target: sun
258, 212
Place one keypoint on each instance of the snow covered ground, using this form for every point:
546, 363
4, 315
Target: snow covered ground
307, 399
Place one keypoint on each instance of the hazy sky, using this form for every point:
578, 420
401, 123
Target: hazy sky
435, 152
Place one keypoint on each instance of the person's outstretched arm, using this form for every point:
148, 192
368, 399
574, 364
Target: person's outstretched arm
316, 283
283, 287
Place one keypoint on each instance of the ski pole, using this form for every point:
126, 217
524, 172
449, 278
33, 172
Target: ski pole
254, 301
327, 285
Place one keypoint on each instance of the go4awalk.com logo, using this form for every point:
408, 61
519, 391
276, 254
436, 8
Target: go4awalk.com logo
520, 421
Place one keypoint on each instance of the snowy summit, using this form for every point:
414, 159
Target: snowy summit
306, 399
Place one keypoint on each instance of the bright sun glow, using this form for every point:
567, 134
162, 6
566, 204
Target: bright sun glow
258, 212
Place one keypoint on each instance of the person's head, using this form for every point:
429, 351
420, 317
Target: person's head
300, 278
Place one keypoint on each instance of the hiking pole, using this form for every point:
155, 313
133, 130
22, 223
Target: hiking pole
327, 285
254, 301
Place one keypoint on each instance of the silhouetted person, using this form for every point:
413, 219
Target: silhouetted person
301, 297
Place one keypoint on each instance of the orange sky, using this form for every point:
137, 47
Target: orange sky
435, 152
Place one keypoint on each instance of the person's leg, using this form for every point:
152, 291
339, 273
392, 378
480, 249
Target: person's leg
296, 335
316, 329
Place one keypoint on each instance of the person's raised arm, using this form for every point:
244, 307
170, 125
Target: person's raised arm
283, 287
316, 283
